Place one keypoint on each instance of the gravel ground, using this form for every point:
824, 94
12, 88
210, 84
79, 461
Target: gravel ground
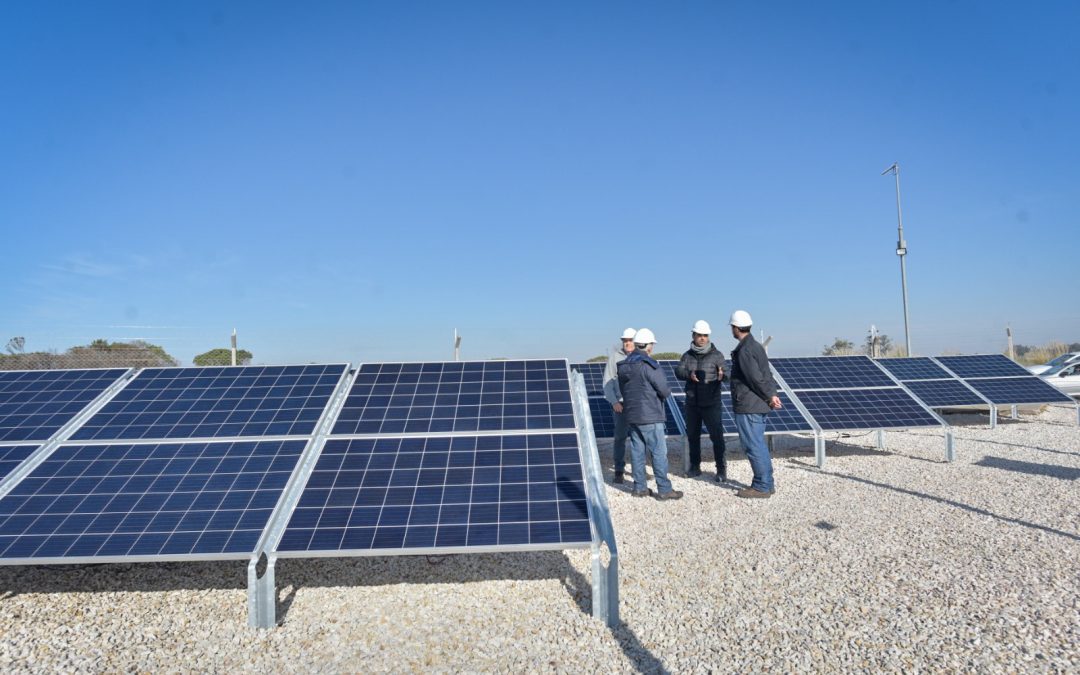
887, 560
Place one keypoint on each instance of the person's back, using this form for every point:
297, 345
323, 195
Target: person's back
752, 383
643, 389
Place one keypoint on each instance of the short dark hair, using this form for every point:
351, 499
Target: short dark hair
743, 330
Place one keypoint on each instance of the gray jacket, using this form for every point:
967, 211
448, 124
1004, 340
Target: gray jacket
644, 389
611, 375
752, 383
706, 392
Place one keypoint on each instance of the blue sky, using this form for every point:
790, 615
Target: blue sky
352, 181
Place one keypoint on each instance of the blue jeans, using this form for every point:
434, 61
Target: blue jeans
751, 428
649, 437
619, 448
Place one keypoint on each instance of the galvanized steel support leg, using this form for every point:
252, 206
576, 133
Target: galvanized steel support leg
262, 595
950, 446
993, 417
1015, 413
605, 588
880, 439
819, 450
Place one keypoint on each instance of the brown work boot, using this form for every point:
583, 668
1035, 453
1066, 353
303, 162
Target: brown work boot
671, 494
751, 493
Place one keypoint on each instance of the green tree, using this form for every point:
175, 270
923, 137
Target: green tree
597, 359
222, 357
667, 356
839, 347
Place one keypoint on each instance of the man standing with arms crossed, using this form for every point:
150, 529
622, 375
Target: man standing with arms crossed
614, 396
753, 395
644, 389
702, 367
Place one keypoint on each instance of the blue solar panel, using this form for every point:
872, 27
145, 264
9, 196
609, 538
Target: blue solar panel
603, 417
865, 409
227, 402
1017, 390
831, 372
593, 373
944, 393
983, 365
171, 500
786, 420
34, 404
914, 368
442, 492
13, 456
390, 398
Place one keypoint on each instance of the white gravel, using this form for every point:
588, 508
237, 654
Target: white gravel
883, 561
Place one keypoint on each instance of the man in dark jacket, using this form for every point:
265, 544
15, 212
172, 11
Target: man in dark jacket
702, 368
753, 395
644, 389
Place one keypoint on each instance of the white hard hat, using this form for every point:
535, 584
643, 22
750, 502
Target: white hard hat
701, 327
644, 337
741, 319
629, 334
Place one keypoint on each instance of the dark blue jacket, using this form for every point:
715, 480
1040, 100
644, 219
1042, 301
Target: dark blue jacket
643, 388
752, 383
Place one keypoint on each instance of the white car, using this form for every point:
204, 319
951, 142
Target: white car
1055, 363
1066, 378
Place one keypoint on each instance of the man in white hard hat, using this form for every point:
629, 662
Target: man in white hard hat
702, 368
614, 396
644, 389
753, 395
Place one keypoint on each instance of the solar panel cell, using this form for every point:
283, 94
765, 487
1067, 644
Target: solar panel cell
1018, 390
865, 409
12, 456
944, 393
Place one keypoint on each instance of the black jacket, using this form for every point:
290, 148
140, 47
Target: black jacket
752, 383
643, 388
705, 393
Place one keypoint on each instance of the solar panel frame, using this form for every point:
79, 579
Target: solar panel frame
13, 456
44, 387
173, 415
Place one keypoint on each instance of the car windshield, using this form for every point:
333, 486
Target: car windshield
1057, 369
1057, 362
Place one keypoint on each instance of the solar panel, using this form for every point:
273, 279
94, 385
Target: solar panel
603, 417
786, 420
983, 365
831, 372
225, 402
914, 368
944, 393
210, 500
35, 404
13, 456
1017, 390
390, 398
440, 492
594, 376
865, 409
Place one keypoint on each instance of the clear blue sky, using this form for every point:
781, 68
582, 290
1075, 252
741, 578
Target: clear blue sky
352, 181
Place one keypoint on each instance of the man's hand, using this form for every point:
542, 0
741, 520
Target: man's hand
720, 372
775, 403
617, 407
693, 376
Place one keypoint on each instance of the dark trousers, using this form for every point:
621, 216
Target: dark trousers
713, 417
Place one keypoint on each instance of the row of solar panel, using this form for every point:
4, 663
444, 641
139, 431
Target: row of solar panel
116, 499
856, 392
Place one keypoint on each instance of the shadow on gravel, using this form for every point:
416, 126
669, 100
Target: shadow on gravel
1051, 470
123, 577
1032, 447
940, 500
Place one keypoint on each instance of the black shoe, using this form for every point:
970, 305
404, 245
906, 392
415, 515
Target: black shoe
673, 494
618, 479
641, 493
721, 478
693, 473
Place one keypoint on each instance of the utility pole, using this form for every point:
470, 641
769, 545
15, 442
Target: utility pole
1008, 335
901, 250
873, 341
457, 346
233, 350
